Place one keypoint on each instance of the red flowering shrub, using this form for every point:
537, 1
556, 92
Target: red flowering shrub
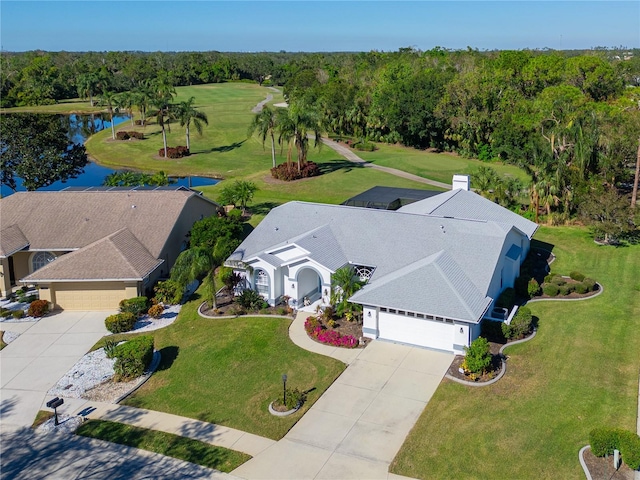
122, 135
289, 171
175, 152
315, 330
136, 135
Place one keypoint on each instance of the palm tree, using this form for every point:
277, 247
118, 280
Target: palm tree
344, 284
187, 114
244, 191
142, 96
109, 98
126, 101
265, 123
297, 126
87, 84
197, 261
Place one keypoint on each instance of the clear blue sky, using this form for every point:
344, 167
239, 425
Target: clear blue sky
254, 26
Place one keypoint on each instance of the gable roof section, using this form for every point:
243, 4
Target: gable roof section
119, 256
12, 240
69, 220
465, 204
387, 240
435, 285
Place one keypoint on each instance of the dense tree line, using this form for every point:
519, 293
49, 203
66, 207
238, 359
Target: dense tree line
570, 119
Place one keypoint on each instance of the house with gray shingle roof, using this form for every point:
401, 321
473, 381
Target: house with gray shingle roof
433, 268
87, 249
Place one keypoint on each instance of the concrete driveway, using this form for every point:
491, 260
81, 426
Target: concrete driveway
358, 425
35, 361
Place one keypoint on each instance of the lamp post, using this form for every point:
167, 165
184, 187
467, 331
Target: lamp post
284, 388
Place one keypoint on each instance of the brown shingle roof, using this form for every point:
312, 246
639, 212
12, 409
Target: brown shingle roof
119, 256
11, 240
69, 220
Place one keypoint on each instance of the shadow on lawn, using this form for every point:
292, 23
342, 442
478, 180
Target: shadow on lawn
168, 355
335, 165
224, 148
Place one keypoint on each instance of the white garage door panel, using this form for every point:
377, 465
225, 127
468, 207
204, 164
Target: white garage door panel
89, 296
416, 331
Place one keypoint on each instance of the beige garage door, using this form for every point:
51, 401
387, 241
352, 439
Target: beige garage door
89, 296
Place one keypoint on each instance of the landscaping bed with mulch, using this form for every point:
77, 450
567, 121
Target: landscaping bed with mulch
345, 328
494, 368
602, 467
226, 307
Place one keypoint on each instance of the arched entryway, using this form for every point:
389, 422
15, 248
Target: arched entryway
309, 286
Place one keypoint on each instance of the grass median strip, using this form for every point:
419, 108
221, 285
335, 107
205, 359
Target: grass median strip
168, 444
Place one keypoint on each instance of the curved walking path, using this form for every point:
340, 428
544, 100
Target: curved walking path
347, 153
258, 108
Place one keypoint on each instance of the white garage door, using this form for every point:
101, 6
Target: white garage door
89, 296
416, 331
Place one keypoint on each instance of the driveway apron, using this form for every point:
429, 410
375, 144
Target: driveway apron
356, 428
44, 352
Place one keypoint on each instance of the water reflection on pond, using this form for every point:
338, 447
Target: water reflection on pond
80, 127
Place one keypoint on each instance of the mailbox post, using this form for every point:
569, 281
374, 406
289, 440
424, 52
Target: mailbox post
55, 403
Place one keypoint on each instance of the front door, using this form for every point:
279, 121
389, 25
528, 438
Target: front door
12, 273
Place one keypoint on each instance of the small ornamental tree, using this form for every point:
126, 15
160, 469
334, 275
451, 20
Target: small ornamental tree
477, 356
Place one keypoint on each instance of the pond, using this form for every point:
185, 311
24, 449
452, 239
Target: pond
79, 128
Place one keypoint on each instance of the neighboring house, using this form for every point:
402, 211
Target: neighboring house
87, 249
433, 268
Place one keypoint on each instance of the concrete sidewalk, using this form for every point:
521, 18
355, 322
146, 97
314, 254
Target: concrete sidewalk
185, 427
43, 353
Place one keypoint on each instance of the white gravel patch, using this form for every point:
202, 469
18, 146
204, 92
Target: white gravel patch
66, 424
90, 371
147, 324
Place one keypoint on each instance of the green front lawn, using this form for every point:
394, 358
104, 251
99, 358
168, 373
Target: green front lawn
168, 444
581, 371
227, 371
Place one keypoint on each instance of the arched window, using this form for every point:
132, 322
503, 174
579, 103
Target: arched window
40, 259
262, 283
364, 273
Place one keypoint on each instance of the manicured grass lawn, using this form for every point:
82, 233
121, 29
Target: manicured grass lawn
581, 371
168, 444
227, 371
72, 105
436, 166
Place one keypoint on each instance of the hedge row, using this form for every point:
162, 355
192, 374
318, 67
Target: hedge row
135, 305
175, 152
604, 441
121, 135
521, 324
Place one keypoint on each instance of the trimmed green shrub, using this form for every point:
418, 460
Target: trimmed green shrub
5, 313
629, 447
17, 313
533, 288
507, 298
155, 311
477, 356
235, 214
551, 290
120, 322
133, 357
520, 326
581, 288
251, 300
38, 308
590, 283
603, 441
168, 292
294, 399
135, 305
558, 280
577, 276
549, 278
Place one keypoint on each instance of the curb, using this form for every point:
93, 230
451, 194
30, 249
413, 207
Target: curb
222, 317
503, 370
582, 462
282, 414
152, 368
